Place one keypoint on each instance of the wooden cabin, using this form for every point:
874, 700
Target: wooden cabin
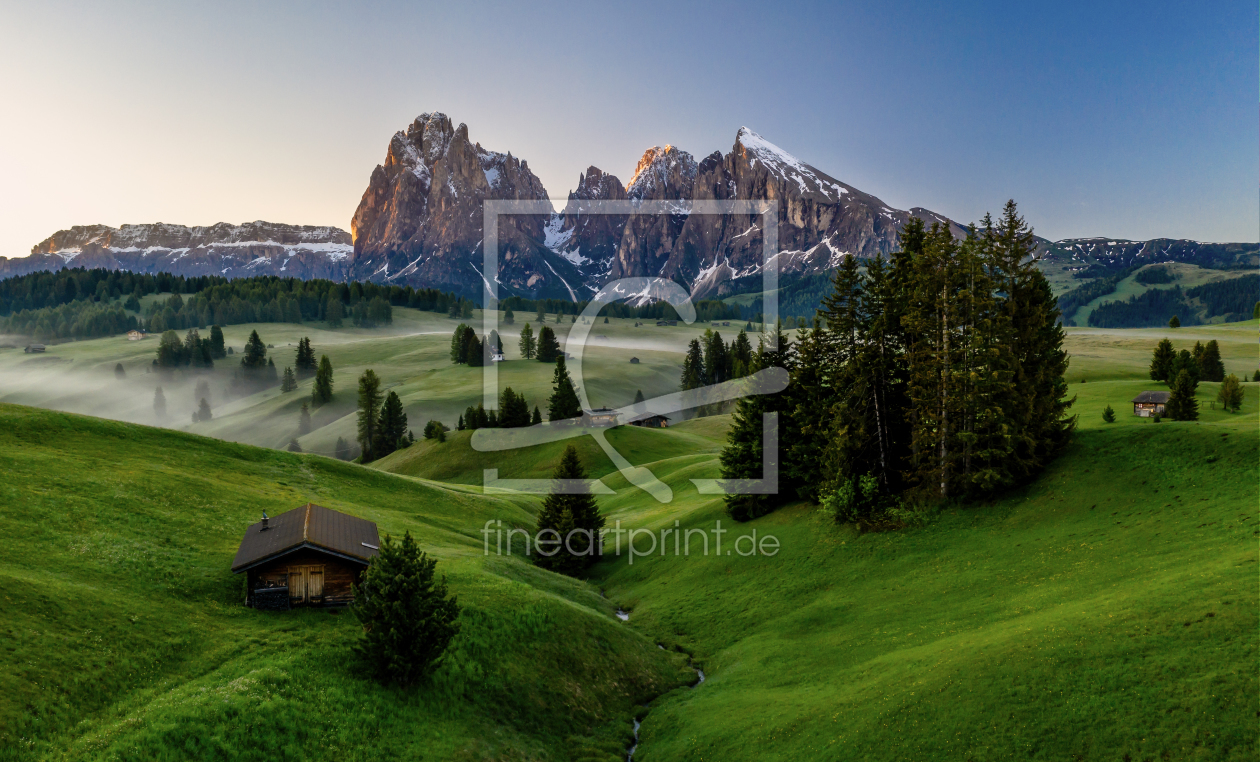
34, 348
135, 335
634, 361
652, 421
309, 556
601, 416
1148, 404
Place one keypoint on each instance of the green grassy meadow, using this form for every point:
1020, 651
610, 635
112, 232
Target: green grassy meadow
1109, 610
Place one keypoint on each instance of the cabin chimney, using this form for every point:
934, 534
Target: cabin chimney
264, 523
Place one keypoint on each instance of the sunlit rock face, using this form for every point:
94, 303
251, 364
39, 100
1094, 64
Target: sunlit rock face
232, 251
420, 221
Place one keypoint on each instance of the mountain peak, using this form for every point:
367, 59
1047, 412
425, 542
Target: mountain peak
662, 169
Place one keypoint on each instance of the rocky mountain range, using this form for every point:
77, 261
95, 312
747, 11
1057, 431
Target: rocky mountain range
420, 220
233, 251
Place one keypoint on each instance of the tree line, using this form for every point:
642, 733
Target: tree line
939, 374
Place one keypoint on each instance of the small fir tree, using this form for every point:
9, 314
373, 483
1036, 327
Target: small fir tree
1182, 404
322, 392
119, 372
369, 413
159, 404
528, 345
217, 349
304, 421
563, 403
1174, 322
392, 427
289, 382
536, 418
342, 449
1162, 361
408, 619
294, 446
509, 317
574, 517
548, 346
203, 410
1109, 415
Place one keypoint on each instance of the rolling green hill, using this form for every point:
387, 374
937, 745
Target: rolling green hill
1107, 609
125, 637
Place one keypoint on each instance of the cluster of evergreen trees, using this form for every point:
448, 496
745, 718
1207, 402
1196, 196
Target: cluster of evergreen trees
1203, 363
1234, 298
939, 374
706, 309
468, 349
513, 413
78, 303
1154, 275
194, 351
710, 361
382, 422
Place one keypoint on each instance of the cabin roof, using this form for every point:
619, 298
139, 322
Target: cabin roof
312, 526
648, 417
603, 411
1156, 398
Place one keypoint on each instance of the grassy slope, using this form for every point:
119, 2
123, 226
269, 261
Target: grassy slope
1107, 609
1189, 277
125, 638
412, 358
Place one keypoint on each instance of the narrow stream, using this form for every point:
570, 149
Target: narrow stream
624, 616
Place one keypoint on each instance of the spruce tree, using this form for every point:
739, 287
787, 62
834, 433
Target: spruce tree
536, 418
255, 356
509, 317
527, 345
294, 446
203, 411
159, 404
342, 449
1182, 403
408, 619
304, 364
217, 349
369, 413
392, 427
120, 372
323, 390
513, 409
304, 420
289, 382
334, 313
574, 517
638, 396
548, 346
811, 398
693, 367
1162, 361
457, 344
1174, 322
563, 403
1109, 415
541, 317
1211, 367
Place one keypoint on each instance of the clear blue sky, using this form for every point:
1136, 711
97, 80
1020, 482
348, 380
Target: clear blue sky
1131, 120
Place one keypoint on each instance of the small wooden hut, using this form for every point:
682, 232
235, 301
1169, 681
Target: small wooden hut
309, 556
1148, 404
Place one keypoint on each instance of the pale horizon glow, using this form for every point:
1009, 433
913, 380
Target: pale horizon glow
1131, 121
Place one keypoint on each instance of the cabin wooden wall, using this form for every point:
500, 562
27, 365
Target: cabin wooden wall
339, 577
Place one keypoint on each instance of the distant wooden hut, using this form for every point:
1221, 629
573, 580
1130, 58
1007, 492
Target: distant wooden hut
34, 348
1148, 404
309, 556
135, 335
652, 421
601, 416
634, 361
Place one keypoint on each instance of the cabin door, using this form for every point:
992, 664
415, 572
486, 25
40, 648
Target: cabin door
306, 584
